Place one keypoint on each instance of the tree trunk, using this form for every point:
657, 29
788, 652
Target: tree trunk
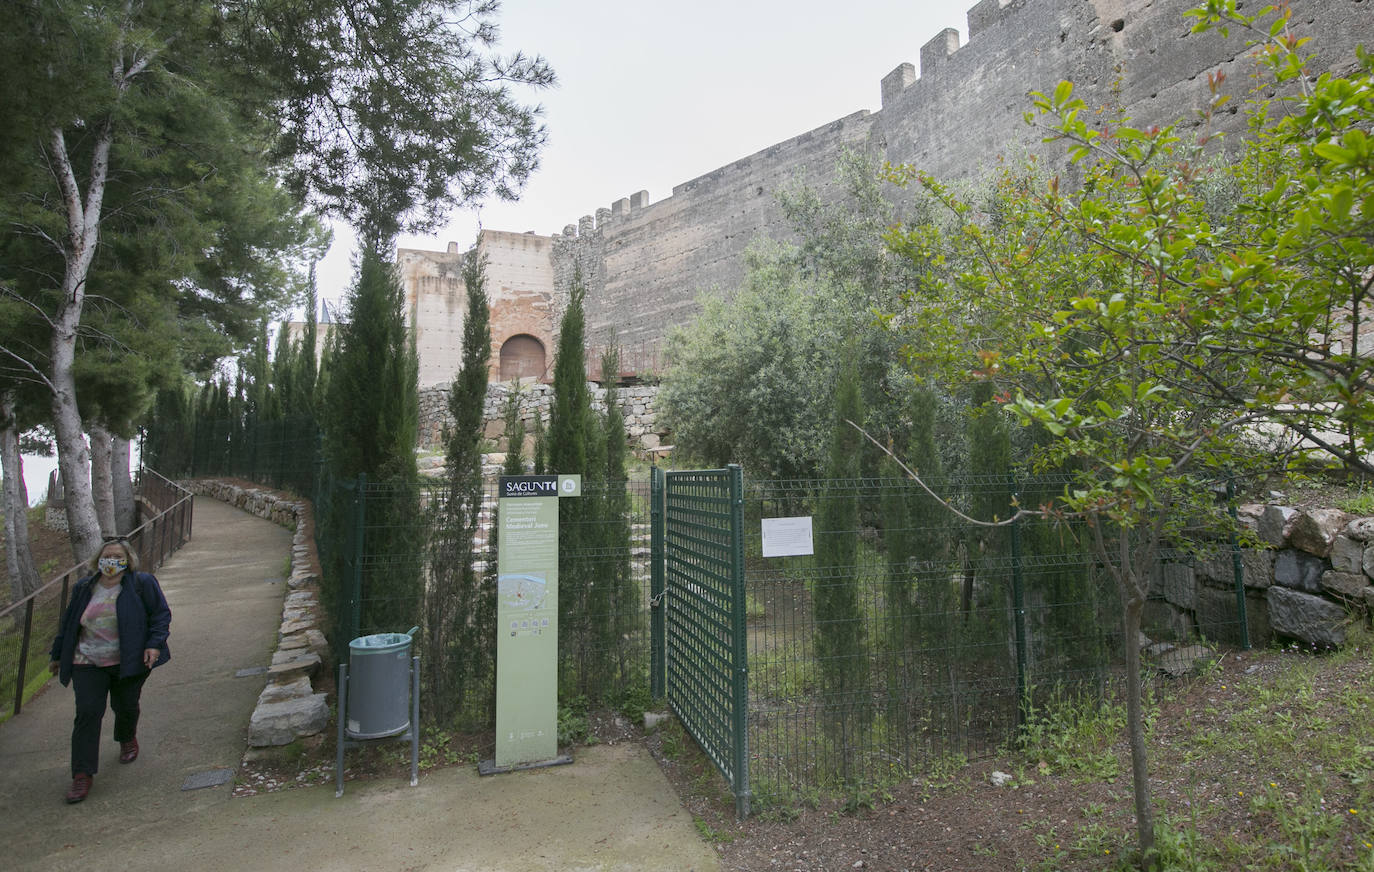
1135, 729
23, 574
125, 507
83, 231
102, 483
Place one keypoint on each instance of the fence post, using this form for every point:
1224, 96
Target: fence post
1237, 569
741, 677
1018, 602
23, 656
656, 584
359, 519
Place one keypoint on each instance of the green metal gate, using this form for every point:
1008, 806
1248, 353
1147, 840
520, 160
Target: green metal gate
705, 667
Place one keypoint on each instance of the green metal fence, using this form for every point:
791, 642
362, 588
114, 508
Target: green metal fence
706, 658
955, 634
950, 637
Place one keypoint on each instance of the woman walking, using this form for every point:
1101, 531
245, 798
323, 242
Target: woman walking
112, 635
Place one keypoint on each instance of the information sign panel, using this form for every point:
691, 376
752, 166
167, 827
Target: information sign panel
527, 618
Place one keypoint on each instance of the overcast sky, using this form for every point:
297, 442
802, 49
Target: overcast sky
653, 94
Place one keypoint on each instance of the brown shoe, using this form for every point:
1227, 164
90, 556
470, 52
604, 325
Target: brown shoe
81, 785
128, 751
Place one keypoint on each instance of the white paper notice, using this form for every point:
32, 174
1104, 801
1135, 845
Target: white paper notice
787, 537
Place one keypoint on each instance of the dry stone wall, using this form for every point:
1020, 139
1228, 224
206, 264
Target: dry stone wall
637, 404
1310, 576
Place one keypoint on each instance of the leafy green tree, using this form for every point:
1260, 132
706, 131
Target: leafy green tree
749, 380
1143, 340
745, 382
460, 608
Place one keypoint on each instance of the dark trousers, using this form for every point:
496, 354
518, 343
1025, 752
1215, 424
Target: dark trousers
92, 685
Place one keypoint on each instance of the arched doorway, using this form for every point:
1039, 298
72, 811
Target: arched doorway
522, 356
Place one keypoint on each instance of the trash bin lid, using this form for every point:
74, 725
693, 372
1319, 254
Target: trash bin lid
379, 643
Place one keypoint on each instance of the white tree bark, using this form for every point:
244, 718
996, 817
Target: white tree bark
83, 231
126, 510
102, 481
78, 250
23, 573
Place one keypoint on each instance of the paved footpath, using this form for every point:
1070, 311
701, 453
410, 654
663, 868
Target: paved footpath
610, 810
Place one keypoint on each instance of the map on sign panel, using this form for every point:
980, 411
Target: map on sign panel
522, 591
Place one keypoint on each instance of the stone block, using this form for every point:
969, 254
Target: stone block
1298, 570
1183, 661
1248, 516
1276, 523
281, 691
318, 643
1178, 585
299, 615
1310, 619
1348, 585
1315, 530
1347, 554
1361, 529
289, 627
281, 723
289, 665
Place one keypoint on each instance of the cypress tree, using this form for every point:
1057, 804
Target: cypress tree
621, 594
841, 653
540, 443
568, 447
370, 423
460, 611
514, 433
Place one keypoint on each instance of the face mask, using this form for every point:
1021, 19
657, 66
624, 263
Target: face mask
113, 565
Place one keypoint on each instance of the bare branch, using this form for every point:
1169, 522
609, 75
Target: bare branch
1020, 513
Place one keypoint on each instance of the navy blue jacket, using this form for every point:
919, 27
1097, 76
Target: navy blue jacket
144, 622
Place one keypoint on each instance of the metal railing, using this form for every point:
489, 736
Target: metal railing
169, 528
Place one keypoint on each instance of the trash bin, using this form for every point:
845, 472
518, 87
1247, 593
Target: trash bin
379, 685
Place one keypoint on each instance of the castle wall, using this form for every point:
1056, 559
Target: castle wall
952, 110
654, 262
435, 306
645, 266
519, 290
